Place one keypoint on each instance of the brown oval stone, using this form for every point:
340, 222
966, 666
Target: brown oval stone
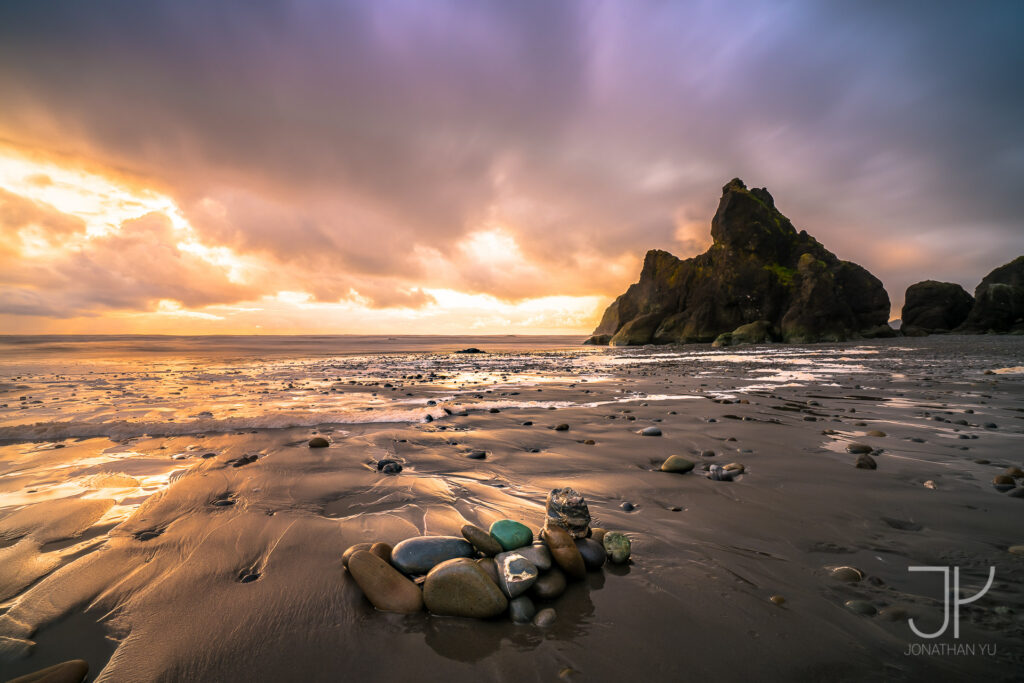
564, 551
482, 540
345, 556
382, 550
549, 585
490, 566
460, 588
383, 585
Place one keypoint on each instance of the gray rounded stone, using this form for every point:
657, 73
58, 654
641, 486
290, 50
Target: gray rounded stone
420, 554
594, 555
515, 573
521, 610
549, 585
538, 554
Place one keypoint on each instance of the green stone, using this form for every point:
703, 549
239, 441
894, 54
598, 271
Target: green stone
617, 545
511, 534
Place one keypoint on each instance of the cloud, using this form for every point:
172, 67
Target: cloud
19, 213
359, 151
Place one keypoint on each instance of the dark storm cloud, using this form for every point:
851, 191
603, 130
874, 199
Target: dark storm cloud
344, 138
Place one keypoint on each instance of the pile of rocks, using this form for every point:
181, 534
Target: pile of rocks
485, 574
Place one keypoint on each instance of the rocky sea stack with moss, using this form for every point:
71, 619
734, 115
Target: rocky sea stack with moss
999, 301
761, 280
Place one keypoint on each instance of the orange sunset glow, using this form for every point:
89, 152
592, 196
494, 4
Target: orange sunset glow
406, 172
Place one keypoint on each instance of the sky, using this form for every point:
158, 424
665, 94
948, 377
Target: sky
401, 166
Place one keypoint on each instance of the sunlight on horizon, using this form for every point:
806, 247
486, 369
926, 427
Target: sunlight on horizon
93, 210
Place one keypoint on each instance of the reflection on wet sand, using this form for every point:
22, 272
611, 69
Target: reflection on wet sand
209, 547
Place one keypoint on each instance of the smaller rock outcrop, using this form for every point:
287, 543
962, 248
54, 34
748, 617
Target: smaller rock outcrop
757, 332
934, 307
998, 301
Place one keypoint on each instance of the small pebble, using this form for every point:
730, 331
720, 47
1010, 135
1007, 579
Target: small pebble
862, 607
544, 617
893, 613
866, 462
848, 574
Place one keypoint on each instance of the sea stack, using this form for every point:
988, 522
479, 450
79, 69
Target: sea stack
934, 307
761, 280
999, 301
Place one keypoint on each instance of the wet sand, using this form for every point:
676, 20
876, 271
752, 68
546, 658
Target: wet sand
128, 552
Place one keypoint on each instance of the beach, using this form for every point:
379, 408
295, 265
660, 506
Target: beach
131, 505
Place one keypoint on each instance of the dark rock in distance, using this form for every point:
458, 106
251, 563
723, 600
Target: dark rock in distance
319, 442
759, 269
598, 340
758, 332
932, 307
998, 301
471, 349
